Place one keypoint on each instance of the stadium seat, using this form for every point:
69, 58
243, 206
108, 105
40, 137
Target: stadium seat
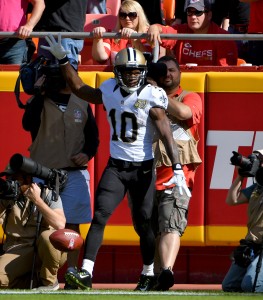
94, 20
113, 7
169, 10
240, 61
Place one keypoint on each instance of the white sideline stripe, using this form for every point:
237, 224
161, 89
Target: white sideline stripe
79, 292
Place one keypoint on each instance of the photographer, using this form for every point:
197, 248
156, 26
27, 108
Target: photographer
246, 273
64, 136
170, 213
28, 259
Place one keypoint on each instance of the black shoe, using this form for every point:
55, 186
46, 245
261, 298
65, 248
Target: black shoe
68, 286
165, 280
81, 279
145, 283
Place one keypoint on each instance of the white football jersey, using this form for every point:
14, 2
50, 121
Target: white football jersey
131, 127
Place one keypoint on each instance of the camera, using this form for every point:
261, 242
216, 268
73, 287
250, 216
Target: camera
51, 81
53, 178
9, 189
156, 70
248, 166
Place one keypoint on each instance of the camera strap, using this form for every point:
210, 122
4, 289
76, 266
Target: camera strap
258, 267
17, 93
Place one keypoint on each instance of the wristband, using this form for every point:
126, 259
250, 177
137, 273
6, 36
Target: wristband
176, 167
63, 61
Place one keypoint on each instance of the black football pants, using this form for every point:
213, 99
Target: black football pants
121, 177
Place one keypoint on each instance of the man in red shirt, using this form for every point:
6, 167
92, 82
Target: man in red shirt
203, 53
255, 26
170, 212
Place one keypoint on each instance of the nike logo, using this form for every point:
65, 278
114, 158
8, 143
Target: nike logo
83, 275
147, 171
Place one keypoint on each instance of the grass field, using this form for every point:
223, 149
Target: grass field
123, 294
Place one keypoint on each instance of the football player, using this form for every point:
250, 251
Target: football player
135, 110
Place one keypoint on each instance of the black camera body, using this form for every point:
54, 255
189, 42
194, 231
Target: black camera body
156, 70
9, 189
248, 166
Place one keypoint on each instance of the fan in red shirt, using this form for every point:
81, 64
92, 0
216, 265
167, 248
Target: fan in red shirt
201, 52
131, 19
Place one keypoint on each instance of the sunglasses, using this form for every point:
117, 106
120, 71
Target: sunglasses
132, 15
197, 13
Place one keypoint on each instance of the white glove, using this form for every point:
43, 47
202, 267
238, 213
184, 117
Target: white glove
179, 180
55, 47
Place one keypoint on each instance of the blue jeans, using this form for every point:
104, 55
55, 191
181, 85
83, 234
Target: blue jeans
239, 279
74, 46
13, 51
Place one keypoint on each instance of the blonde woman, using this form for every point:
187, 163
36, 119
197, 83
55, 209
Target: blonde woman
131, 19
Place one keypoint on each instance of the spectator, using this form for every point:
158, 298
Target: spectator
65, 135
245, 274
153, 10
255, 48
237, 22
96, 7
171, 209
218, 7
67, 16
131, 19
13, 17
203, 53
130, 167
20, 213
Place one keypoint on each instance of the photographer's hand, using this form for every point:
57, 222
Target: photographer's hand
55, 47
33, 193
179, 180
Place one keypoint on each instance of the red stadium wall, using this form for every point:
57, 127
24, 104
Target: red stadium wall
231, 121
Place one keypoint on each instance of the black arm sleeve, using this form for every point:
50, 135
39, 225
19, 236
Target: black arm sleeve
32, 116
91, 135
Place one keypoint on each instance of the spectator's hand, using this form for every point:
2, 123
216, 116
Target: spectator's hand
24, 31
80, 159
55, 47
154, 35
179, 180
98, 32
127, 32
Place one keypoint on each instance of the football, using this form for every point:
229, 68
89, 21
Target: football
66, 240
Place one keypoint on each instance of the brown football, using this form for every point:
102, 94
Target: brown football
66, 240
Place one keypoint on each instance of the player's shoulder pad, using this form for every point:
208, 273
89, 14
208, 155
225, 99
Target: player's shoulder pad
158, 95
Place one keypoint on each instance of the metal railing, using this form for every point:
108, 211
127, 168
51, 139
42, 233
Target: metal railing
112, 35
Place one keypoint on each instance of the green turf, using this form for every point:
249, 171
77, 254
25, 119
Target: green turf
124, 294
